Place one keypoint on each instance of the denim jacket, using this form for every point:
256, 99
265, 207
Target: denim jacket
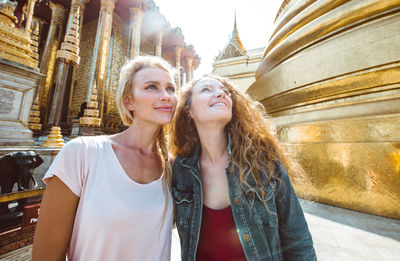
278, 232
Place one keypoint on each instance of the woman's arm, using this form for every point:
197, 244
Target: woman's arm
56, 220
296, 241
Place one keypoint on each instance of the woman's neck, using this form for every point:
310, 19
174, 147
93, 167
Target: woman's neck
213, 143
140, 136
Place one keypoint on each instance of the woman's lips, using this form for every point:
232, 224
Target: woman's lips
164, 108
219, 103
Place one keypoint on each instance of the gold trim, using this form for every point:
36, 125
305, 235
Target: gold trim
21, 195
337, 19
332, 89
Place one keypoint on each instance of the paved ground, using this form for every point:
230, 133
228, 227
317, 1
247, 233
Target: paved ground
338, 234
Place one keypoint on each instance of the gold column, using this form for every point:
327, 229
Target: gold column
136, 24
100, 58
41, 25
189, 68
91, 113
178, 51
48, 59
67, 56
35, 39
159, 39
31, 7
83, 5
34, 115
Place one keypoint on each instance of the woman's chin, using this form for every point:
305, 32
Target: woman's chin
220, 120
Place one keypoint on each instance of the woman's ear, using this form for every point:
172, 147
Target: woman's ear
128, 102
189, 114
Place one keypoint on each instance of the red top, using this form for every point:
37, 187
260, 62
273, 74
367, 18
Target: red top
219, 239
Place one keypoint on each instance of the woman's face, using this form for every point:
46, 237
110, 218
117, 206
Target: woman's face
154, 99
211, 102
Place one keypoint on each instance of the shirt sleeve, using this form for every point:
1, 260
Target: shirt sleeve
68, 166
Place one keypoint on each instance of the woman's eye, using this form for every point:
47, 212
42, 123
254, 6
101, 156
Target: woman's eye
151, 87
227, 92
170, 89
206, 90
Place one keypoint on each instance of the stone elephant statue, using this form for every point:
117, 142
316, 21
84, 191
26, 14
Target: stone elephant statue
17, 168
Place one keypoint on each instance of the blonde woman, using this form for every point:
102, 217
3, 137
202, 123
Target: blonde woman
107, 197
234, 200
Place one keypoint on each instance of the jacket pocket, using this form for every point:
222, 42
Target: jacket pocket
183, 199
264, 207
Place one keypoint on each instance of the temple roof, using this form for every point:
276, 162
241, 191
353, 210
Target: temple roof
234, 48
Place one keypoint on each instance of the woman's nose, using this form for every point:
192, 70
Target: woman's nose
165, 96
219, 93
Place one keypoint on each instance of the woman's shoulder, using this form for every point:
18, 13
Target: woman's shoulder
86, 142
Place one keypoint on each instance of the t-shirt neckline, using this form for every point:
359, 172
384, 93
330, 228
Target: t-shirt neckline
123, 172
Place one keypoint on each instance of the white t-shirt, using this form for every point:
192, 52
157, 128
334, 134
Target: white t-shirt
117, 218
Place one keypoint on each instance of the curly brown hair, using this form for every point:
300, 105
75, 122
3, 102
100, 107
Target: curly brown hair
255, 147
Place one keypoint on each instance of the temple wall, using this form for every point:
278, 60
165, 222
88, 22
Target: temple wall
120, 43
241, 70
330, 77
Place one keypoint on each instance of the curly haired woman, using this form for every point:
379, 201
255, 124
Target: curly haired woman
233, 197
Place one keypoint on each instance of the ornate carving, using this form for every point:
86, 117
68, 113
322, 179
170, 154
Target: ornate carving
34, 116
57, 13
90, 115
70, 47
35, 40
54, 139
7, 13
29, 15
107, 5
230, 52
15, 43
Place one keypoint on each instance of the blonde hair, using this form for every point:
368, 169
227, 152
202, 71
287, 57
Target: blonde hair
255, 148
125, 89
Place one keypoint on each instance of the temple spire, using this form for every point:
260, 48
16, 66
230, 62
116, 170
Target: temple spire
234, 48
235, 39
235, 31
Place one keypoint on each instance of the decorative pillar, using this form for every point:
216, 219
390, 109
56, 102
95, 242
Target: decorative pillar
178, 51
189, 68
48, 59
35, 40
83, 5
159, 39
41, 23
29, 15
91, 113
34, 115
100, 60
67, 56
135, 28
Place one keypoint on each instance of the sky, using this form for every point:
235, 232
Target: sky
208, 24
